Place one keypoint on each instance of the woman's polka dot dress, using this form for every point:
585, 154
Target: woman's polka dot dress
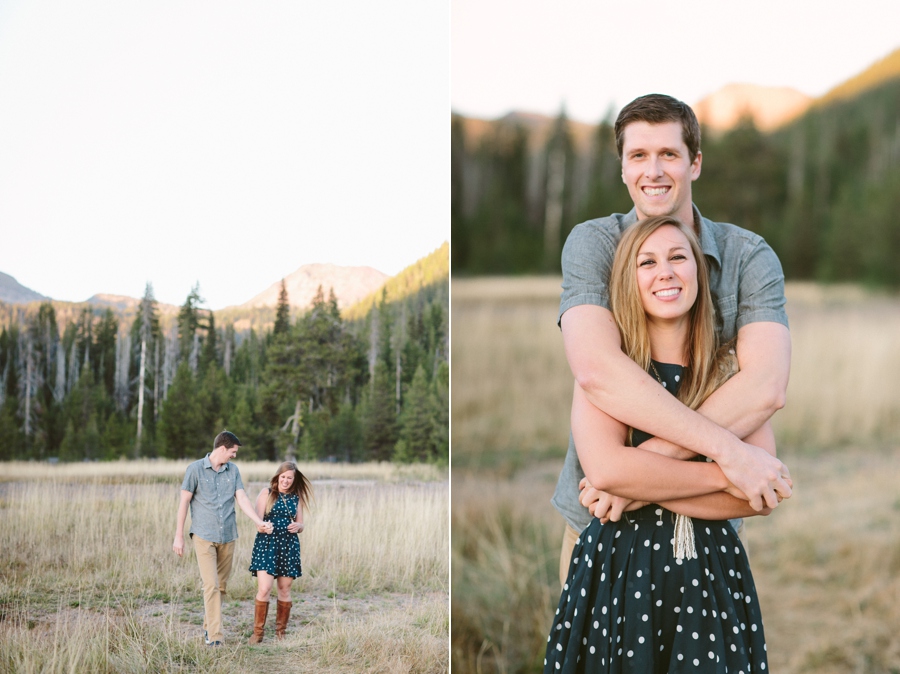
629, 606
278, 553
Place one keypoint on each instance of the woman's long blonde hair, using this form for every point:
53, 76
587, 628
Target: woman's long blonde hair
708, 365
301, 487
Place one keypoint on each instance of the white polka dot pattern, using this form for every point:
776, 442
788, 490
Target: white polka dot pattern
654, 614
278, 553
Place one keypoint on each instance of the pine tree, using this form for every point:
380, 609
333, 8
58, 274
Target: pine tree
440, 434
282, 313
209, 355
417, 421
180, 422
105, 348
189, 322
380, 419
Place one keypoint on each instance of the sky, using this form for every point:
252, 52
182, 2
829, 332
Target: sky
596, 55
218, 142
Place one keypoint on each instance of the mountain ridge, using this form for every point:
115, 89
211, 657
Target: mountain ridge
13, 292
770, 107
350, 284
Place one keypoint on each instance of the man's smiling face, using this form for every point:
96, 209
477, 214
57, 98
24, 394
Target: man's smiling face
658, 170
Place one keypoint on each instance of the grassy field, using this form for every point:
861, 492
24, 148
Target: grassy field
827, 563
89, 582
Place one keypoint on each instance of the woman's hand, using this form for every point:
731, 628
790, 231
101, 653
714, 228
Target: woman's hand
609, 508
265, 527
295, 527
604, 506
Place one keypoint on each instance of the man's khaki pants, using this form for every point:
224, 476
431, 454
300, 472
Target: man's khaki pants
214, 560
565, 556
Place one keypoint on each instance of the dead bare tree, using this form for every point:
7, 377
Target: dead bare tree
59, 391
146, 332
123, 363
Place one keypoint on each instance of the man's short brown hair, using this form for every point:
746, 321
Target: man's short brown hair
659, 109
228, 439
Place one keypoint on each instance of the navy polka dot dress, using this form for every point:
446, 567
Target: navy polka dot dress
628, 605
278, 553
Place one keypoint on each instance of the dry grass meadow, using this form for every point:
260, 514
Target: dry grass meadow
826, 563
89, 582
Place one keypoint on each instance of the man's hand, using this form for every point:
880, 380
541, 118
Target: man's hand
178, 545
264, 527
761, 477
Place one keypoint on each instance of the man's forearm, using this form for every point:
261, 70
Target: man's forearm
180, 518
719, 506
248, 509
750, 398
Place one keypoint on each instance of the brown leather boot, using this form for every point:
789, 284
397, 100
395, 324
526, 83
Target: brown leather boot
259, 621
282, 615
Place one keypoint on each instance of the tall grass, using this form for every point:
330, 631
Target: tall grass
845, 367
512, 388
826, 562
168, 471
83, 561
505, 554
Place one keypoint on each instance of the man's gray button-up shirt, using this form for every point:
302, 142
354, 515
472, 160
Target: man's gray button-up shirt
212, 507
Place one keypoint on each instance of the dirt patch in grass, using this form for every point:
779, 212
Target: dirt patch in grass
327, 632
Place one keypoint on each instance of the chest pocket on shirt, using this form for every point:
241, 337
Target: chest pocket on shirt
726, 317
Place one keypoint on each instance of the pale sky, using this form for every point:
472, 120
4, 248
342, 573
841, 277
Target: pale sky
217, 141
595, 54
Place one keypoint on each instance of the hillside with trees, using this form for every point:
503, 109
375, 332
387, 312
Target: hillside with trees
82, 382
823, 189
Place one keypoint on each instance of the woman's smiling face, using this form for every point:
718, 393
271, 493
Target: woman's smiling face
285, 480
666, 275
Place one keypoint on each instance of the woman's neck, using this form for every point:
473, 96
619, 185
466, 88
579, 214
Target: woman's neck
668, 341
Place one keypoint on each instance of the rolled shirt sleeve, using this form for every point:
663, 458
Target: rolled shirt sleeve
761, 291
587, 262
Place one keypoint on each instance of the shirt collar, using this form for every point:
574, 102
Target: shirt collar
208, 464
707, 238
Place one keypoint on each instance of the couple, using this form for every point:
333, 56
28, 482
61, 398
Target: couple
211, 486
675, 330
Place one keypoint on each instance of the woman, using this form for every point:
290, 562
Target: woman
666, 588
276, 556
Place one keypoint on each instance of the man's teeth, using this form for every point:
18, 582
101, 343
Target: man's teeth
655, 191
667, 293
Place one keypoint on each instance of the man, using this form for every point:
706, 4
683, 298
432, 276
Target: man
658, 142
211, 486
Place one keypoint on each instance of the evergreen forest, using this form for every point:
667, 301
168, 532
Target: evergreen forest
823, 190
78, 382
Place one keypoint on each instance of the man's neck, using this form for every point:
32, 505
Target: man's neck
687, 217
217, 460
